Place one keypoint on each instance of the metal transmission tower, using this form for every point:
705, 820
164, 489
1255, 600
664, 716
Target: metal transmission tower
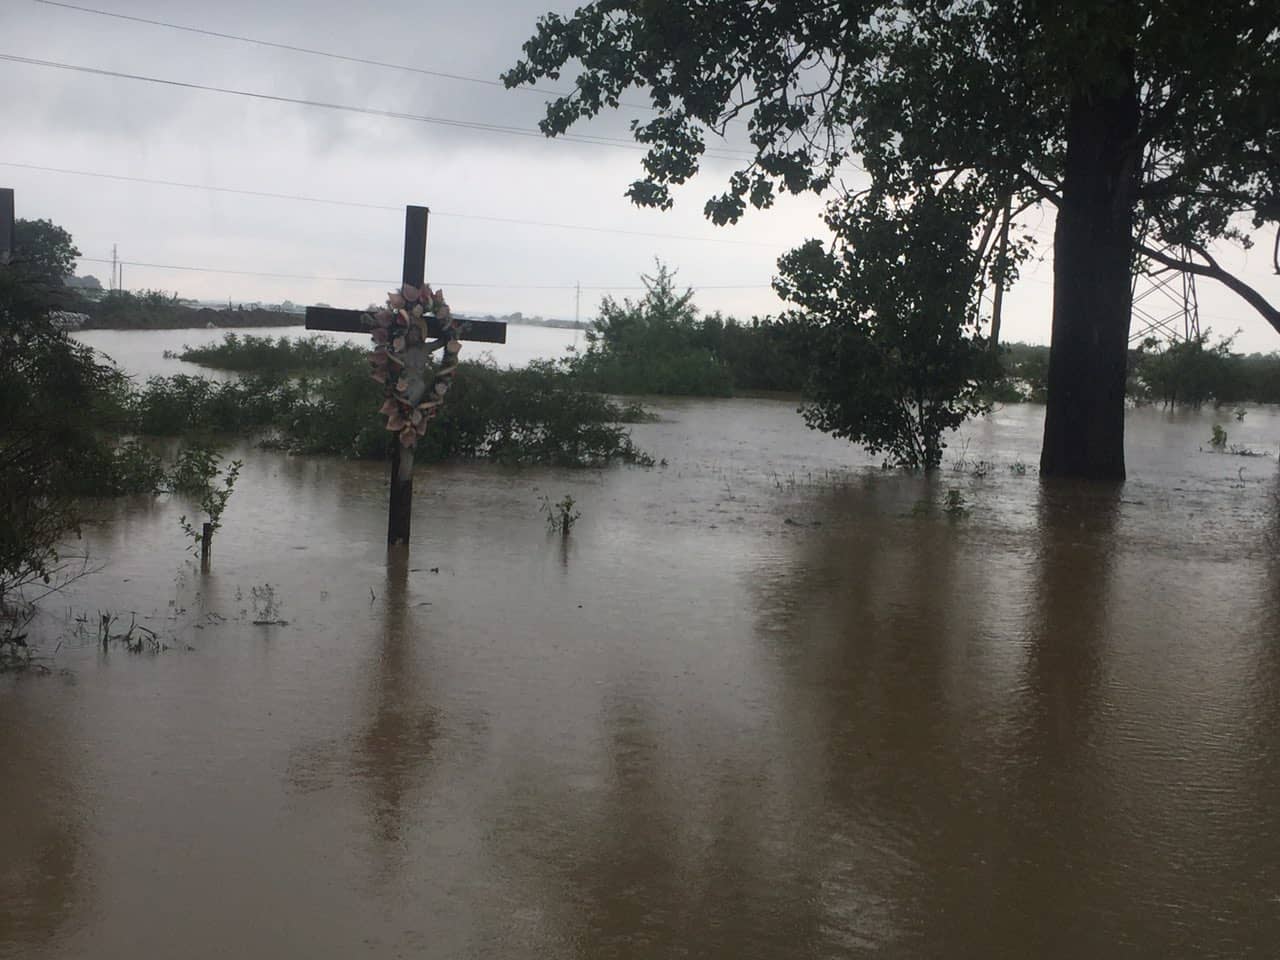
1165, 304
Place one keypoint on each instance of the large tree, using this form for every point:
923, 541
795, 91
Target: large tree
44, 252
1151, 127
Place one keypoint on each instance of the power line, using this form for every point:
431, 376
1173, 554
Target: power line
371, 206
616, 142
318, 53
394, 283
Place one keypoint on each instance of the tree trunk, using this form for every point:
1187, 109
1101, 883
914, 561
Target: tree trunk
1092, 288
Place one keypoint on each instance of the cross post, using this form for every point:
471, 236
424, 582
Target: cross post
6, 225
400, 511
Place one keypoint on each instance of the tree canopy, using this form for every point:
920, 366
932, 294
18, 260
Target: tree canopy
44, 252
915, 90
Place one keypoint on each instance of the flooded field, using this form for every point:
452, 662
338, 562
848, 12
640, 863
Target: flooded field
765, 701
142, 352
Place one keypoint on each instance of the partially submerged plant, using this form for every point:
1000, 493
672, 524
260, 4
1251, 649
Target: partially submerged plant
954, 504
560, 516
202, 478
1219, 439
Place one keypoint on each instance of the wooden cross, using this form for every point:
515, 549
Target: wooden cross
351, 321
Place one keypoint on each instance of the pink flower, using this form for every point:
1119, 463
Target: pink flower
395, 299
389, 406
410, 293
395, 421
379, 334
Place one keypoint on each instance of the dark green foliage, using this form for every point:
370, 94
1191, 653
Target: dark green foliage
1255, 378
897, 360
538, 414
48, 388
43, 253
659, 345
159, 310
1188, 373
337, 414
766, 354
197, 474
131, 467
181, 404
654, 345
282, 355
194, 469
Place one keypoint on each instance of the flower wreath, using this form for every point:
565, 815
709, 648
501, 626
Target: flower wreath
401, 358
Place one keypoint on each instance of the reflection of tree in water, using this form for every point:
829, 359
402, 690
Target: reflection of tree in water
793, 837
946, 788
1258, 854
1053, 846
41, 852
653, 862
874, 625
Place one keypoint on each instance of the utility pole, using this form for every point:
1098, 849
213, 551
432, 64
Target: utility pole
115, 269
6, 225
577, 311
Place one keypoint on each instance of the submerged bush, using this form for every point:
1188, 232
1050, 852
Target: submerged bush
171, 406
535, 415
267, 355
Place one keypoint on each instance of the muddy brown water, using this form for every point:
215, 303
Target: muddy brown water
765, 701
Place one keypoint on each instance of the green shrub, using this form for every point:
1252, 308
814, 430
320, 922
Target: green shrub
283, 355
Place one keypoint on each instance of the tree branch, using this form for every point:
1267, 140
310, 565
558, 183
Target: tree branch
1215, 272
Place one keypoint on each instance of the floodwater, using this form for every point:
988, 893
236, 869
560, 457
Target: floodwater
142, 352
765, 701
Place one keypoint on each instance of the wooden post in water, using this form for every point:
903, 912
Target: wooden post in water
400, 512
206, 546
6, 225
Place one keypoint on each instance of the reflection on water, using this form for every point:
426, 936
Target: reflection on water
141, 353
765, 701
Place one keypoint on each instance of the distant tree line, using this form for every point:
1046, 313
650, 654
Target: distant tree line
1189, 373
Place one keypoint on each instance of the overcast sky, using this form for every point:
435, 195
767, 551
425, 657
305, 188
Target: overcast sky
75, 121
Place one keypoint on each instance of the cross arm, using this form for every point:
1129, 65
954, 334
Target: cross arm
352, 321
